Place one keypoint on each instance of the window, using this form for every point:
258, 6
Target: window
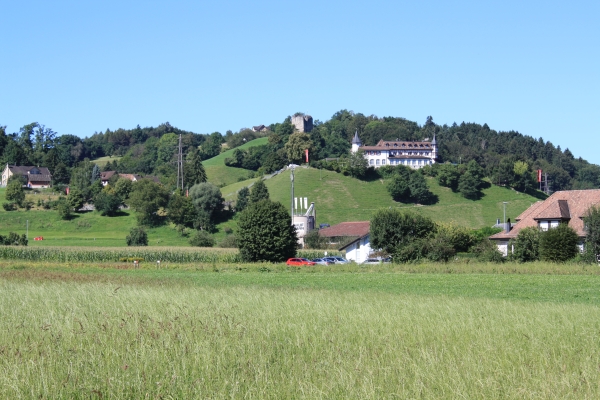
382, 162
377, 162
371, 162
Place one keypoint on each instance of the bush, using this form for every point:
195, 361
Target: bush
315, 241
15, 192
202, 239
487, 251
13, 239
558, 244
9, 206
230, 241
106, 203
527, 245
64, 209
137, 237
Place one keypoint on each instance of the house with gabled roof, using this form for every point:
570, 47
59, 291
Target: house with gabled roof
398, 152
567, 206
33, 177
106, 175
353, 237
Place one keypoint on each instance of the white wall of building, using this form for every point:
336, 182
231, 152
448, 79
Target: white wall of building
359, 251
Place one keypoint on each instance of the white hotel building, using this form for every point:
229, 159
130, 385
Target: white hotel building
411, 154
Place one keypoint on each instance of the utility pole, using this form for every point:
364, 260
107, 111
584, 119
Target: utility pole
180, 165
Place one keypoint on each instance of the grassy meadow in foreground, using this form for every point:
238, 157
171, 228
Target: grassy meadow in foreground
83, 330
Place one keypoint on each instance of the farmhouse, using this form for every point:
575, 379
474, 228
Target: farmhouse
411, 154
34, 177
568, 206
105, 176
353, 237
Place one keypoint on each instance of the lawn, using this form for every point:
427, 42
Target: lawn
73, 331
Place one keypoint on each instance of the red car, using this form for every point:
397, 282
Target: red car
298, 262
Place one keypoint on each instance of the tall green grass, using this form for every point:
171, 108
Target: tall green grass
102, 340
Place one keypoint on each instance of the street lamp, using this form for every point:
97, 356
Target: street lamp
292, 178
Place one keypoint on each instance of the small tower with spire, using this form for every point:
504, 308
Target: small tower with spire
434, 149
356, 143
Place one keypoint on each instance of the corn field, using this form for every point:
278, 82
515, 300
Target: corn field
147, 254
115, 254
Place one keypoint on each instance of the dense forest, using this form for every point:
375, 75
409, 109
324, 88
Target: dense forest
507, 158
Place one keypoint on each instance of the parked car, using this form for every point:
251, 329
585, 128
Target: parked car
299, 262
379, 260
336, 260
371, 261
322, 261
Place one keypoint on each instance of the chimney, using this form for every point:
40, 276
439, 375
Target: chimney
507, 227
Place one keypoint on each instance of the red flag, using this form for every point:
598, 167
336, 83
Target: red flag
187, 192
67, 190
539, 175
306, 153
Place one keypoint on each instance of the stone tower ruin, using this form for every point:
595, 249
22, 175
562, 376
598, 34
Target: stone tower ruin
302, 122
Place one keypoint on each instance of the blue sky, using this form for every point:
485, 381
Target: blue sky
85, 66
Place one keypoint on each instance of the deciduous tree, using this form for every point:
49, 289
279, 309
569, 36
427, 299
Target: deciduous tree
265, 233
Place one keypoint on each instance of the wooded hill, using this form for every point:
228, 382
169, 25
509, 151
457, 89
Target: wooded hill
153, 150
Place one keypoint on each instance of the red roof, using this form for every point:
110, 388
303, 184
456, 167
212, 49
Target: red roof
358, 229
399, 145
568, 205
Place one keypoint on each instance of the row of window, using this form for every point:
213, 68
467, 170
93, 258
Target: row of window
410, 145
400, 162
396, 153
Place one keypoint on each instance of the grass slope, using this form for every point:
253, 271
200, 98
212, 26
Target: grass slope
84, 229
220, 174
340, 198
101, 161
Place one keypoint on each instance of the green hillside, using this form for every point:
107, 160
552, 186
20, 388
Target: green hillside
220, 174
101, 161
337, 198
340, 198
84, 229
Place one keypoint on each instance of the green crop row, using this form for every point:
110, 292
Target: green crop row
175, 255
147, 254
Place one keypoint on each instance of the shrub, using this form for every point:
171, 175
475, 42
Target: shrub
15, 192
9, 206
202, 239
13, 239
558, 244
230, 241
592, 229
315, 241
137, 237
106, 203
392, 229
64, 209
487, 251
527, 245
